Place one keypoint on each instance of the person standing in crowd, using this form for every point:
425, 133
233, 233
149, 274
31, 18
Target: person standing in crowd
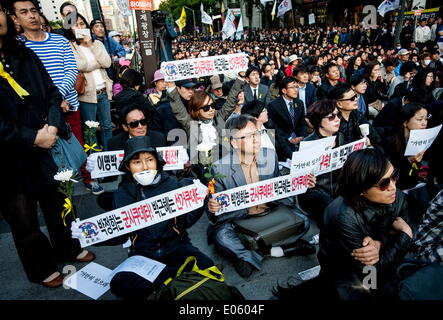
288, 116
58, 58
31, 121
422, 34
113, 48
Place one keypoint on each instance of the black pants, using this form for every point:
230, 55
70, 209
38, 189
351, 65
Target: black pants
37, 254
129, 285
314, 202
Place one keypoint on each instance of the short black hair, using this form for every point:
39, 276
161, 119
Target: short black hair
361, 171
318, 110
11, 8
356, 79
123, 112
239, 122
299, 69
329, 66
251, 69
338, 91
65, 4
409, 110
131, 78
253, 108
406, 67
286, 81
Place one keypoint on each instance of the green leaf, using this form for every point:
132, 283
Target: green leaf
208, 175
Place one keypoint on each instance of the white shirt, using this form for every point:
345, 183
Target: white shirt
422, 34
287, 103
302, 96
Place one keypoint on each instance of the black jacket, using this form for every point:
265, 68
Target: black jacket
343, 230
28, 168
351, 131
129, 96
159, 239
386, 122
279, 114
323, 90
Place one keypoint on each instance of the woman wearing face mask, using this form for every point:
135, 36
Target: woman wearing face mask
413, 169
168, 241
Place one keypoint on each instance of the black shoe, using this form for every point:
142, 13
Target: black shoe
243, 268
301, 248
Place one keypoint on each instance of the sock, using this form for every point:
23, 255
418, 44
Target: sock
277, 252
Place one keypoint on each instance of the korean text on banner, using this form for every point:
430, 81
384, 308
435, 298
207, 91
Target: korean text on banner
202, 67
106, 163
140, 5
421, 140
261, 192
141, 214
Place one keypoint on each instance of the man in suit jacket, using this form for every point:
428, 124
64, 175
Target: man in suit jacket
287, 114
246, 163
254, 90
307, 92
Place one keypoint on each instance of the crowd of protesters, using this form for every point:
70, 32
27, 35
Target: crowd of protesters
302, 84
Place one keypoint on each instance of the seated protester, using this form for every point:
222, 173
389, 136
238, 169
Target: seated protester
201, 113
425, 80
387, 70
359, 85
367, 225
257, 110
347, 104
122, 66
254, 90
307, 92
407, 72
325, 119
288, 117
246, 163
185, 89
413, 169
131, 82
376, 91
332, 74
274, 89
216, 91
315, 76
387, 121
167, 241
158, 92
428, 244
268, 75
355, 67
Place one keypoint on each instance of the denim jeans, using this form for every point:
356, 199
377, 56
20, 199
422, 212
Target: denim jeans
228, 243
102, 109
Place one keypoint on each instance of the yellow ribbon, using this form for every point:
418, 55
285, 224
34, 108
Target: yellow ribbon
67, 209
17, 88
414, 166
88, 147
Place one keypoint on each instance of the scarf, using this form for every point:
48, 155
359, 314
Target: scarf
14, 85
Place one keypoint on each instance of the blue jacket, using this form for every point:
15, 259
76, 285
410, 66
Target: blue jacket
116, 48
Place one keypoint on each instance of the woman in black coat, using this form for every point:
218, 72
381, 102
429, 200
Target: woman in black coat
366, 229
31, 121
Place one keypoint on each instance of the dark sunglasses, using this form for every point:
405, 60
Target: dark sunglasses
353, 98
134, 124
384, 183
209, 106
332, 116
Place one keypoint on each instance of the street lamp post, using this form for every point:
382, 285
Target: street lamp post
193, 16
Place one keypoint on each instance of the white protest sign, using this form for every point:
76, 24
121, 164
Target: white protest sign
141, 214
92, 280
331, 160
261, 192
202, 67
421, 140
105, 164
144, 267
324, 144
311, 18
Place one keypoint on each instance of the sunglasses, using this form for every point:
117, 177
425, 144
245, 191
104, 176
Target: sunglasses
332, 116
384, 183
134, 124
209, 106
353, 98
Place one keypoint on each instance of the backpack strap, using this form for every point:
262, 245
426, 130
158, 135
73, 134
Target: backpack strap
212, 272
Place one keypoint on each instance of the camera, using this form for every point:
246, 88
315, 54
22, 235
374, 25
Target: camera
158, 19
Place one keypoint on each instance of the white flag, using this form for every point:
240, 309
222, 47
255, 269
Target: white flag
284, 7
387, 5
206, 18
263, 2
239, 32
229, 26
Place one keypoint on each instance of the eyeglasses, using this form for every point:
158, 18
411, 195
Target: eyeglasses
353, 98
209, 106
256, 134
384, 183
134, 124
332, 116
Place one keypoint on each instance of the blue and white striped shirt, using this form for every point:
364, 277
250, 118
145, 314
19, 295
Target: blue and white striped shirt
56, 54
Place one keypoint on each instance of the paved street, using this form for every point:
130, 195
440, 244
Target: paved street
15, 286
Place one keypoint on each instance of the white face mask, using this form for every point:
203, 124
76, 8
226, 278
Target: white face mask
427, 62
145, 178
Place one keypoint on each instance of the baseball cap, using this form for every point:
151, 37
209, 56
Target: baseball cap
215, 82
187, 83
114, 33
403, 52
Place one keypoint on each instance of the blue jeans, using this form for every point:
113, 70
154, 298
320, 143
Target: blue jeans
228, 243
102, 109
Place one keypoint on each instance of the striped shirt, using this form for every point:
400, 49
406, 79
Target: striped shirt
56, 54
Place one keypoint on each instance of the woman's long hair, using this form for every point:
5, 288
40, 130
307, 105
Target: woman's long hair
197, 101
407, 112
11, 45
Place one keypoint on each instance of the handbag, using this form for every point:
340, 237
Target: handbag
68, 154
261, 231
80, 83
